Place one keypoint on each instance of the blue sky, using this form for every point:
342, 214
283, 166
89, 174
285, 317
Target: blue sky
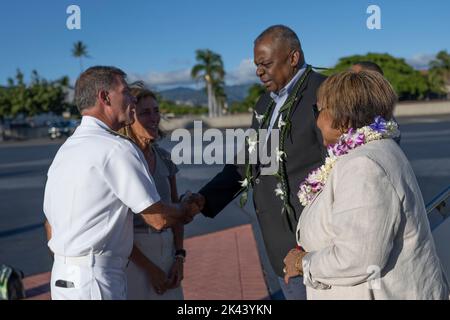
156, 40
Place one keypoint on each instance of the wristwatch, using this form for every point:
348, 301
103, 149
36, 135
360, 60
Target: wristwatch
180, 253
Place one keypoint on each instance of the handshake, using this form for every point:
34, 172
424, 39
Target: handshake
191, 204
162, 216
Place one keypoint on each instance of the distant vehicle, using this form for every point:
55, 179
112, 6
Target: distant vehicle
62, 129
169, 115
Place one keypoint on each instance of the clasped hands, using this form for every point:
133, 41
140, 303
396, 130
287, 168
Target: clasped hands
293, 264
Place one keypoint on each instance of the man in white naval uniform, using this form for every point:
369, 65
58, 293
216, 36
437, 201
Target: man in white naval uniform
93, 181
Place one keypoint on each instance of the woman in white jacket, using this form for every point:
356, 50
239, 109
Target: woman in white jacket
364, 232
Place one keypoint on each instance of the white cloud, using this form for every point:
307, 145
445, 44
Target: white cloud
245, 73
165, 79
420, 61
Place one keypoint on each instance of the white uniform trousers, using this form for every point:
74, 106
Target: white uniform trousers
88, 278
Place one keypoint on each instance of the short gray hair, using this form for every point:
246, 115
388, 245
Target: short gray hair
93, 80
283, 34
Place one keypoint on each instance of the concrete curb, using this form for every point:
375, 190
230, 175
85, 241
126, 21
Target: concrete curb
422, 109
244, 120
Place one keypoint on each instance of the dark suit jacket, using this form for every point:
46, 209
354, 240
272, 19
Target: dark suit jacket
305, 151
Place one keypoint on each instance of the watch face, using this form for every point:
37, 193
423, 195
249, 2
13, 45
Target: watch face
181, 258
180, 252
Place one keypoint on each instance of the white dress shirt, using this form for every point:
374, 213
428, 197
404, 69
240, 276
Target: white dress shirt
281, 97
95, 178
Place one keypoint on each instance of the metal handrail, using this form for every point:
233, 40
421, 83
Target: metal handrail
439, 203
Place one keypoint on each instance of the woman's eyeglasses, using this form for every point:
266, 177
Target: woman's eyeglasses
316, 111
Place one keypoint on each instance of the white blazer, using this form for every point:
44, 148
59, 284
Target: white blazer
367, 232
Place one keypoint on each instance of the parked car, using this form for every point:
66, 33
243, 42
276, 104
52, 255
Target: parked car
62, 129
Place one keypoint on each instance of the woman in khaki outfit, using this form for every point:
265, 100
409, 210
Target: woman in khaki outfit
156, 263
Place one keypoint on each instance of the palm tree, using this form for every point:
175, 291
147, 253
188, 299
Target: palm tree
79, 50
209, 69
219, 97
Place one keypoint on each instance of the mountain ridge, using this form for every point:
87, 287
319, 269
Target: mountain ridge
189, 96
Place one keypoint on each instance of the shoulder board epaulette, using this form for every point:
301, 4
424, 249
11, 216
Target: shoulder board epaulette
115, 133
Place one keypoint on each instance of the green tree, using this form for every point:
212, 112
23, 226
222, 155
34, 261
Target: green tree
209, 69
439, 72
248, 104
79, 51
38, 97
18, 95
4, 110
47, 96
254, 93
409, 84
442, 61
5, 103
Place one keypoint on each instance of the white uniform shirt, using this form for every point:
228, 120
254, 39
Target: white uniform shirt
94, 179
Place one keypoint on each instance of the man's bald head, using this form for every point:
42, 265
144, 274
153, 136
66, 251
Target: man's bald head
281, 35
278, 56
366, 65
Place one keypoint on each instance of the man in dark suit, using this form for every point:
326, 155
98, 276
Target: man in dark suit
289, 80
